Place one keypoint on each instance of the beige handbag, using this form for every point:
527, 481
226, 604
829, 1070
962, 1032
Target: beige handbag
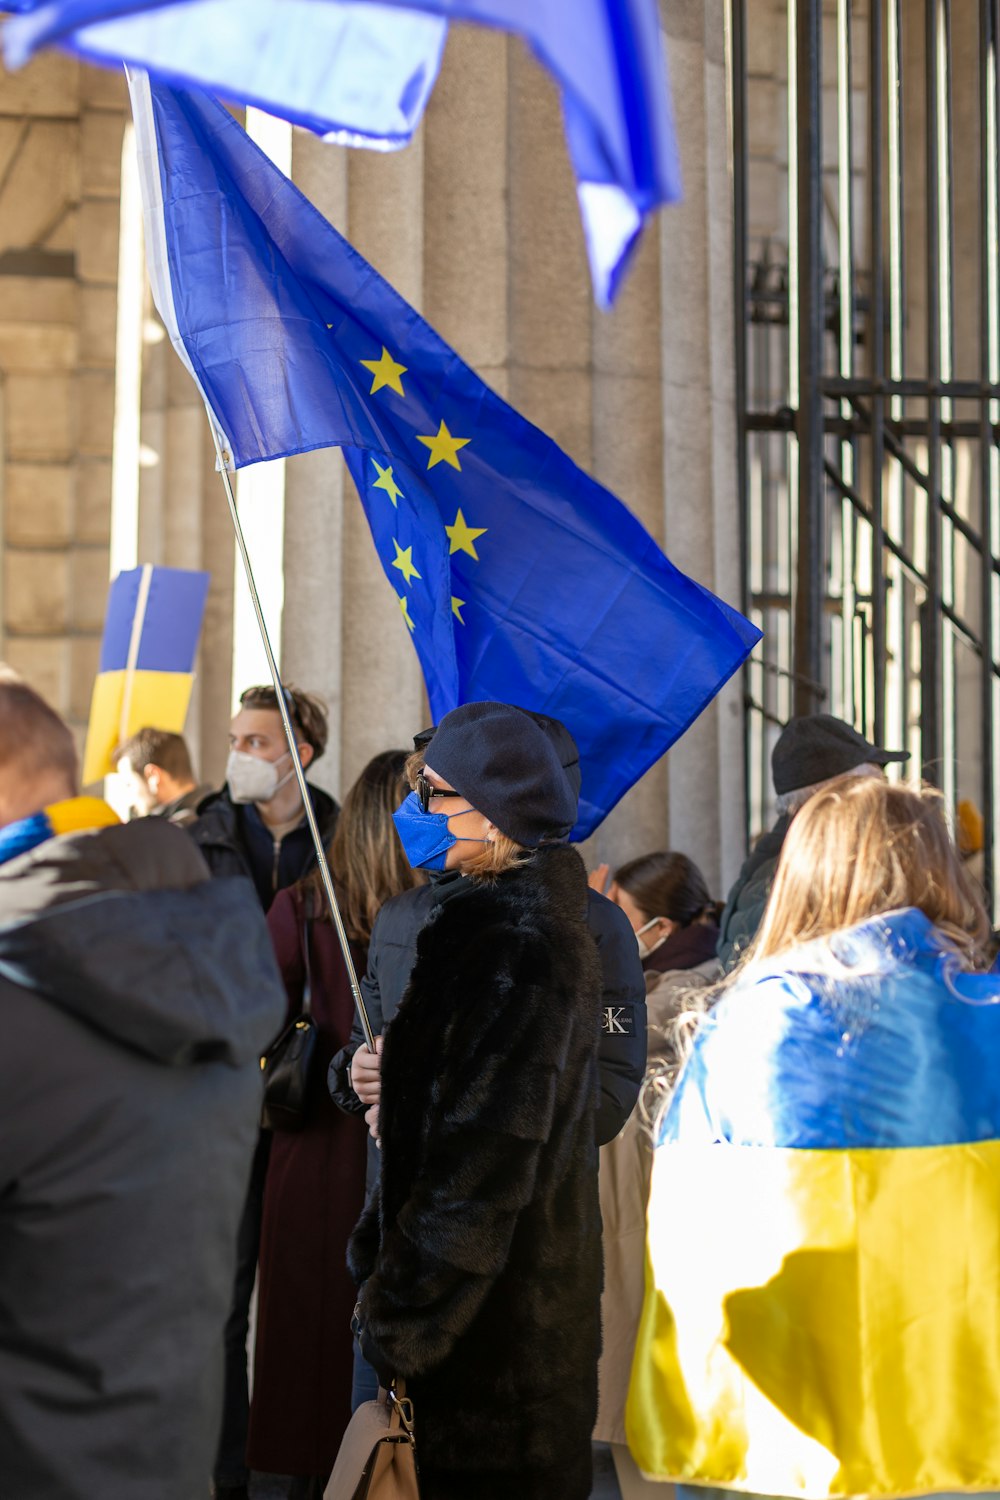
378, 1454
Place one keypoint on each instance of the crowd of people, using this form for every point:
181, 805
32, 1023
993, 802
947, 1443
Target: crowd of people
465, 1206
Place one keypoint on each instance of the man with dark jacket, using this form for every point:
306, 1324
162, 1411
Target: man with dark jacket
809, 752
137, 995
256, 825
155, 766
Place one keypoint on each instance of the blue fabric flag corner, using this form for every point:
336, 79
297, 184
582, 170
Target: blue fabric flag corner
517, 576
360, 73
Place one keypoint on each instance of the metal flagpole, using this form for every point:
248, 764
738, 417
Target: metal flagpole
300, 775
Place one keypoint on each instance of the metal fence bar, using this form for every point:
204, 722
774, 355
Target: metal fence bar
876, 357
987, 348
930, 615
808, 641
738, 95
948, 493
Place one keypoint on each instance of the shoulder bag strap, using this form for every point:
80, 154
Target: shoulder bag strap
304, 933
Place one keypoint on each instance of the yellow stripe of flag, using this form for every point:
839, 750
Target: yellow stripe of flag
828, 1325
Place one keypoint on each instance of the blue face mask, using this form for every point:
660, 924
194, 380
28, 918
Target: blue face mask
425, 836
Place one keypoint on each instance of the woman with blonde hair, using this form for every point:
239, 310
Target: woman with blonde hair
865, 847
823, 1280
314, 1189
480, 1258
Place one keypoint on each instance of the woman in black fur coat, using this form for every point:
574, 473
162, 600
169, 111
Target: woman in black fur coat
481, 1258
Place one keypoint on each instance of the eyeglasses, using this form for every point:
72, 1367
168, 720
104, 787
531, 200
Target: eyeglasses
425, 791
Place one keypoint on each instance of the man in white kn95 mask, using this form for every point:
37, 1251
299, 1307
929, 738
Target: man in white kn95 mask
256, 824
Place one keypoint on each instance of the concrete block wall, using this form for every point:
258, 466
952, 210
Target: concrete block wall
60, 156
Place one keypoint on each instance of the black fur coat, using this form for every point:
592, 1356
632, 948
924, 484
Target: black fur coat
482, 1256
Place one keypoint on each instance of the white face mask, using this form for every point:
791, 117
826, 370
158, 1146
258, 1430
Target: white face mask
251, 779
644, 950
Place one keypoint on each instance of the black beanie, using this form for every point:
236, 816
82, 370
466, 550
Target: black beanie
506, 766
565, 747
562, 741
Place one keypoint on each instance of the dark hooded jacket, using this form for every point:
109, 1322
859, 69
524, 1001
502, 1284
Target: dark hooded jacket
183, 810
137, 995
235, 840
746, 901
481, 1254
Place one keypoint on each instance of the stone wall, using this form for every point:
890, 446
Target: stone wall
60, 160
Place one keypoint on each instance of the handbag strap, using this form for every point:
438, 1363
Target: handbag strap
304, 933
400, 1409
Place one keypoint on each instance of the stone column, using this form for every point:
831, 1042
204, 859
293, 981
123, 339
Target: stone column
60, 149
39, 194
628, 458
383, 696
315, 485
699, 422
102, 124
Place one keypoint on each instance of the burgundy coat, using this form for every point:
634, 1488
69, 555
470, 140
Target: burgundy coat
312, 1198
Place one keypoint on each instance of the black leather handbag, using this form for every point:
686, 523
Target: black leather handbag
287, 1064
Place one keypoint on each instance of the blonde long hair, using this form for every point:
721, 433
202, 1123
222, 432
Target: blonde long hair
859, 847
365, 856
862, 846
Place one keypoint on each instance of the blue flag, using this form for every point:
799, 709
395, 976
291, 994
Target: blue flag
517, 576
360, 73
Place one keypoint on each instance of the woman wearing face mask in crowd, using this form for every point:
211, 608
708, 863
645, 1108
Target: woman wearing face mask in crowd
480, 1256
676, 925
314, 1191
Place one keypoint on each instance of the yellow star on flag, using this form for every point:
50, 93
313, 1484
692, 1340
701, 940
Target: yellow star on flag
404, 561
404, 605
386, 371
444, 447
457, 605
462, 536
386, 482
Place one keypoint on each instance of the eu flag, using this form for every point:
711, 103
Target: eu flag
360, 72
516, 575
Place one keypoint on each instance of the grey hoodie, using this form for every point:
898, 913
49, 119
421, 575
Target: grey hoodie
136, 996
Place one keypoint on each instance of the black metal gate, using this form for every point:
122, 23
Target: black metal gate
868, 355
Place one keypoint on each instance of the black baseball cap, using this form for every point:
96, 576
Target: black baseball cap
818, 747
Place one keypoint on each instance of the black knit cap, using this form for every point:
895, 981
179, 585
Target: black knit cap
505, 764
818, 747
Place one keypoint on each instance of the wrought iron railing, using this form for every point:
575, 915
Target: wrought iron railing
868, 373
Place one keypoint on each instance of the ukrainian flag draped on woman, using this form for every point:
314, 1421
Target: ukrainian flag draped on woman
822, 1312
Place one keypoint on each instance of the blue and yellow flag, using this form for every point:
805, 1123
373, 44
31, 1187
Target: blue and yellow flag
516, 575
146, 670
361, 74
822, 1312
